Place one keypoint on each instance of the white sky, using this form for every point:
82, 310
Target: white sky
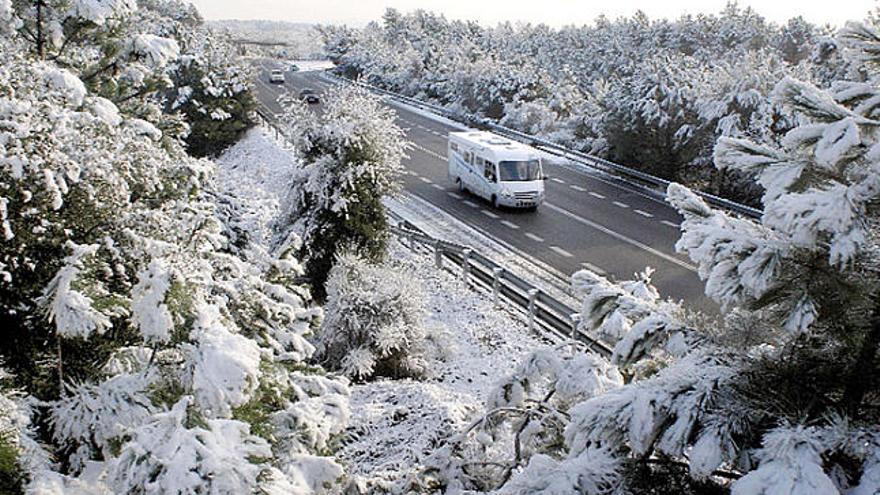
553, 12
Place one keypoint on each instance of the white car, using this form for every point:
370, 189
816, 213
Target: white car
276, 76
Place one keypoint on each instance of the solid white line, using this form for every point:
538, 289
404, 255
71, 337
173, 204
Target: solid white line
622, 205
670, 224
593, 268
596, 195
561, 252
644, 213
534, 237
621, 237
510, 224
453, 195
426, 180
489, 214
578, 188
471, 204
560, 181
437, 186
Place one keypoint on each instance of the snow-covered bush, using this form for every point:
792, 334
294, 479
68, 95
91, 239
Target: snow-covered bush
779, 394
373, 324
351, 155
522, 432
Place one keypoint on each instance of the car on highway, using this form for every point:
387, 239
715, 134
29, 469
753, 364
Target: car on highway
294, 68
276, 76
309, 95
504, 172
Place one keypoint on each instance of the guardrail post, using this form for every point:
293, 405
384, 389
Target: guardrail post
438, 254
533, 296
497, 272
575, 323
466, 265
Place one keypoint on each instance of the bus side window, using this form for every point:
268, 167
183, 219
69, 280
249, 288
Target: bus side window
453, 147
489, 171
469, 157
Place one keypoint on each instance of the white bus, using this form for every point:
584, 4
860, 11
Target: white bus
504, 172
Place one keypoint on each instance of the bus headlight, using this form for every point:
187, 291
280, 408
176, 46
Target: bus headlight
507, 193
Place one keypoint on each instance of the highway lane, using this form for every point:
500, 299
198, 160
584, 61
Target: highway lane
587, 222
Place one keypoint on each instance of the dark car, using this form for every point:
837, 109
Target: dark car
309, 95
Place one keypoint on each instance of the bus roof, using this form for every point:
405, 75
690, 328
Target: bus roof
500, 147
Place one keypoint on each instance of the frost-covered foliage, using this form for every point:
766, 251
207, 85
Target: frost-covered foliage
352, 155
778, 394
521, 434
374, 321
149, 352
653, 94
148, 57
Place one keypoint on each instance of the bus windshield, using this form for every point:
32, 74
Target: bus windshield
519, 171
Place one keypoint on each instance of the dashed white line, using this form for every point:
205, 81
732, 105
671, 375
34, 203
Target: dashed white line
597, 195
489, 214
471, 204
619, 236
453, 195
534, 237
562, 252
437, 187
593, 268
426, 180
578, 188
559, 181
618, 203
670, 224
644, 213
510, 224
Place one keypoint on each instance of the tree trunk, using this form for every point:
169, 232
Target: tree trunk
39, 29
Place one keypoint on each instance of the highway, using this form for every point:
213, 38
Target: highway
587, 221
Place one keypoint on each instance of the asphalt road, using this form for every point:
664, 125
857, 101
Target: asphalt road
587, 221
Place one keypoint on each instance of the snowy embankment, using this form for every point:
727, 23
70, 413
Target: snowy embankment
395, 424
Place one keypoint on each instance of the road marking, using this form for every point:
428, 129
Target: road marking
644, 213
437, 186
622, 205
561, 252
426, 180
596, 195
578, 188
670, 224
510, 224
453, 195
471, 204
489, 214
560, 181
593, 268
534, 237
621, 237
428, 152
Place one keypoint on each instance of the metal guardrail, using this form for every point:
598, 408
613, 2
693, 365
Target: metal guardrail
541, 308
655, 185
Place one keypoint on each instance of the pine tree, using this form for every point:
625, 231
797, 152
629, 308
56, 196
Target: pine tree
351, 157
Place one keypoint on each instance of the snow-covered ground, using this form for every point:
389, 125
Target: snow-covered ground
396, 424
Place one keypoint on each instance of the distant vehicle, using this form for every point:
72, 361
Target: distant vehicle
276, 76
294, 68
309, 95
505, 172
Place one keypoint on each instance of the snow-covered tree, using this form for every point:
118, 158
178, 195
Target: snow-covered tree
779, 393
374, 322
150, 352
352, 156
